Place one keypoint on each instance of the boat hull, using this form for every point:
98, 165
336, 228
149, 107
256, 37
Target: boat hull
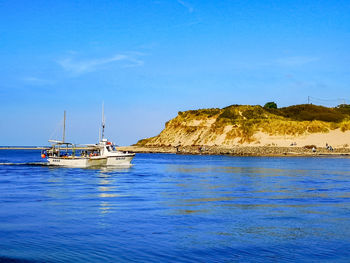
114, 159
77, 162
123, 159
72, 162
97, 161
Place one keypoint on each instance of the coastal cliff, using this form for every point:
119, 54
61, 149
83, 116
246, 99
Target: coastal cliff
245, 125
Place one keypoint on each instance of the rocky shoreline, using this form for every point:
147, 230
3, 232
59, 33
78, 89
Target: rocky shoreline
239, 150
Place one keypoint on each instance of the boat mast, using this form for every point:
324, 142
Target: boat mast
64, 126
103, 121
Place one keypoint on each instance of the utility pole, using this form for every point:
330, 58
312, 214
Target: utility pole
308, 99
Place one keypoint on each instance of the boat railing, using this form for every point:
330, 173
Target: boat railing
70, 150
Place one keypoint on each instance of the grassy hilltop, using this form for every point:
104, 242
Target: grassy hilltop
241, 124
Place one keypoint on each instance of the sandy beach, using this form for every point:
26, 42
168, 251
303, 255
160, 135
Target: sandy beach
265, 145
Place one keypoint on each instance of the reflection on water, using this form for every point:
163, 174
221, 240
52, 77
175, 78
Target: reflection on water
105, 207
107, 195
171, 208
111, 169
107, 188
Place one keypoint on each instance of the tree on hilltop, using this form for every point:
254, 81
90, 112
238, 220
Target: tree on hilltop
270, 105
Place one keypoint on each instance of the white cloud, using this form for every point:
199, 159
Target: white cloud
37, 81
77, 67
287, 62
186, 5
295, 61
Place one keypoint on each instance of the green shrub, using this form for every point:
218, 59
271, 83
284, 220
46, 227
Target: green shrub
343, 109
309, 112
270, 105
228, 113
255, 113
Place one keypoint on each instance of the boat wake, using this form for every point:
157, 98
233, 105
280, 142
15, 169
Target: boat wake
27, 164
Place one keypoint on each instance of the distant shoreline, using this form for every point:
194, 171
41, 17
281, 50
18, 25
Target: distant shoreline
267, 151
23, 147
240, 151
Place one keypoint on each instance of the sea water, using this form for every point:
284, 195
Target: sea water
176, 208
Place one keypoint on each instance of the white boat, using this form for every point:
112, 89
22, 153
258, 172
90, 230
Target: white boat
104, 153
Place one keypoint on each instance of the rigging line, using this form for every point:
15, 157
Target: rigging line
328, 104
338, 99
317, 99
57, 128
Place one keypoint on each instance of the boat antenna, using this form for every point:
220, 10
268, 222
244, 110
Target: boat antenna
103, 121
64, 126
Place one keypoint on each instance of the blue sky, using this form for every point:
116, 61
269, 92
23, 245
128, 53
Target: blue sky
147, 60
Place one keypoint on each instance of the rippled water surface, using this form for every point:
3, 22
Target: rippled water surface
176, 208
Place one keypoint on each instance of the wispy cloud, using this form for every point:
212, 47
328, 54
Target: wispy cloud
192, 23
284, 62
295, 61
186, 5
77, 67
37, 81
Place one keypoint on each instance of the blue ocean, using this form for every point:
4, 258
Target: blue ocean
175, 208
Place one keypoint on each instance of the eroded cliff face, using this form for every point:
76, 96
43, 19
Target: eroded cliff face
253, 125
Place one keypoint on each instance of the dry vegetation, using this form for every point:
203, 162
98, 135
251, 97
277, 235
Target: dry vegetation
240, 123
